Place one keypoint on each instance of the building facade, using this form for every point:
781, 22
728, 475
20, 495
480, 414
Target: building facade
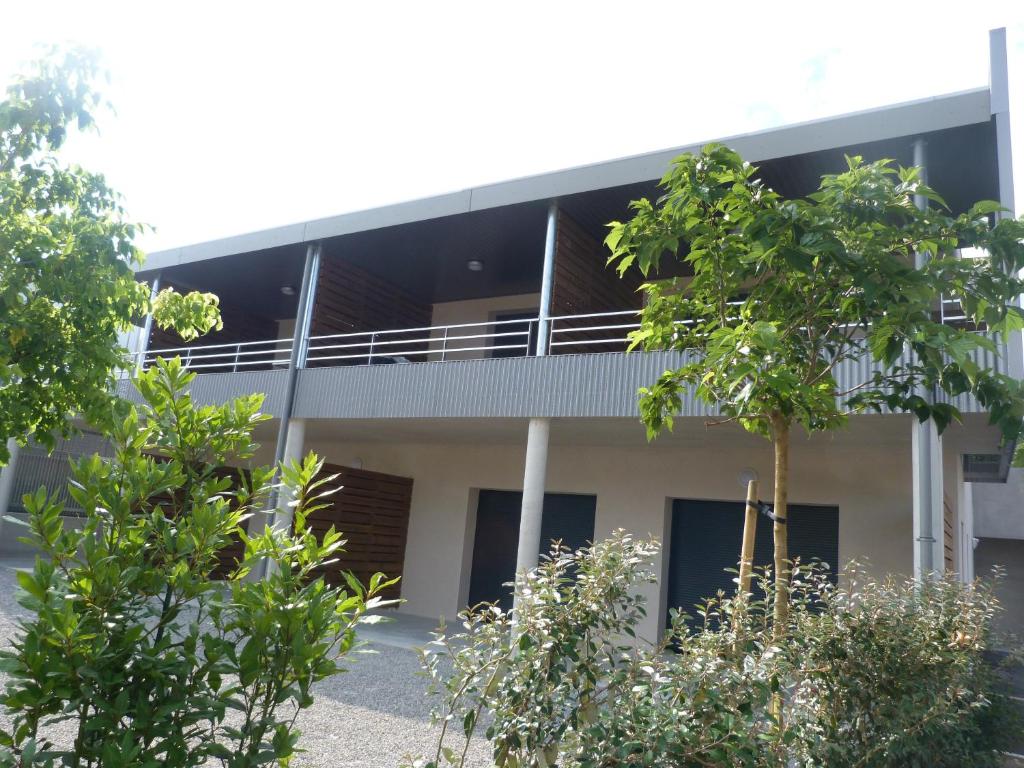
461, 360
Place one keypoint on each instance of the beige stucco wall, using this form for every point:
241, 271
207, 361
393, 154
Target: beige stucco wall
870, 485
478, 311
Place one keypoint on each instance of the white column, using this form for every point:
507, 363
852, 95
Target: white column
7, 479
534, 479
926, 447
967, 523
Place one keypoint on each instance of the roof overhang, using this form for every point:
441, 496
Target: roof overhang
906, 119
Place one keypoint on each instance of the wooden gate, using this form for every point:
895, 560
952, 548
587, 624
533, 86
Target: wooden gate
372, 512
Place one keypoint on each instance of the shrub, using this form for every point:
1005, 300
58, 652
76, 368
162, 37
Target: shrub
133, 654
877, 674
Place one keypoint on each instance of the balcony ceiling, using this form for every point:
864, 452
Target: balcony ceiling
428, 257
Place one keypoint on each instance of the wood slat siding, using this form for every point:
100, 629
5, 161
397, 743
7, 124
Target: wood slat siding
350, 299
229, 556
584, 283
371, 510
239, 325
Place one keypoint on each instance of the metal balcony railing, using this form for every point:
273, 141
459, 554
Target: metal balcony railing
589, 333
226, 358
436, 343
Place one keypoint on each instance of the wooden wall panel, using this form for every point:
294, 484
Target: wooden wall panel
947, 534
350, 300
583, 284
239, 325
372, 512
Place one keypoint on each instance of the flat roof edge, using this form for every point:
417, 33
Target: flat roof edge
879, 123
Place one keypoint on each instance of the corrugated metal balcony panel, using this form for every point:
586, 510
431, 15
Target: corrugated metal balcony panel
601, 385
216, 388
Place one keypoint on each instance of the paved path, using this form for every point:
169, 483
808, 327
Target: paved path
369, 717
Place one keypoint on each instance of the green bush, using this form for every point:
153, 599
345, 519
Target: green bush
133, 654
873, 674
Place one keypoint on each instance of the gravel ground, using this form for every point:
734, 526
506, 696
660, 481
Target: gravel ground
370, 717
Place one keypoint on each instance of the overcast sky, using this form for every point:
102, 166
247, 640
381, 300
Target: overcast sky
232, 117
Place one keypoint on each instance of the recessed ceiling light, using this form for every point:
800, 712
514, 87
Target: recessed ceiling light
288, 290
475, 265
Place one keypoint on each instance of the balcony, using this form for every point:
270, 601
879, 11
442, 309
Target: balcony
484, 369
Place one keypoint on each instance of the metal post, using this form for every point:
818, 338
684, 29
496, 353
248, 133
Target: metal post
282, 450
373, 338
147, 326
444, 343
547, 278
305, 296
926, 446
304, 319
999, 94
535, 475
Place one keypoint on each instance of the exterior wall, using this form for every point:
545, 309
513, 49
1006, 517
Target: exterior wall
477, 311
999, 508
870, 485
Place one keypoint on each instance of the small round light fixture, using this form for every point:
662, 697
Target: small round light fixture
746, 475
475, 265
288, 290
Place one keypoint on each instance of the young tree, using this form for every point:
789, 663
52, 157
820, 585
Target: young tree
67, 253
784, 291
133, 654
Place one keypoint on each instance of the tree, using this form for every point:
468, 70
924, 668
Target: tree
785, 291
67, 253
133, 642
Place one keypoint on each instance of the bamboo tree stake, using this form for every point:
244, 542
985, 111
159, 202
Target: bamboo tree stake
749, 535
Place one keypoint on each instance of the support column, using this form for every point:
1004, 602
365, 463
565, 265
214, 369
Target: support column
294, 449
926, 447
300, 342
147, 326
546, 281
535, 475
534, 479
999, 89
7, 479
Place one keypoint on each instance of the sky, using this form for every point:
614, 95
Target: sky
231, 117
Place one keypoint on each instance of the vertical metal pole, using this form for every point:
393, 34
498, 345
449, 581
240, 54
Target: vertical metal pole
547, 278
444, 343
304, 319
147, 326
305, 297
999, 94
926, 446
288, 426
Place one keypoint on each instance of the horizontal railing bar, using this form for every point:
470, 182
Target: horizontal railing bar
279, 361
404, 353
438, 340
221, 346
423, 328
202, 354
588, 341
596, 314
595, 328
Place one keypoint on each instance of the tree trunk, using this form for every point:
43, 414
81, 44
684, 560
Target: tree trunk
780, 441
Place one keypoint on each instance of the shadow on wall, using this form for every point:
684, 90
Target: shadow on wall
1009, 555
